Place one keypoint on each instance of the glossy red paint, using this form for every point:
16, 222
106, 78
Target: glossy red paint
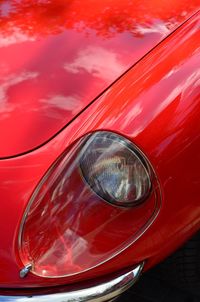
157, 106
57, 56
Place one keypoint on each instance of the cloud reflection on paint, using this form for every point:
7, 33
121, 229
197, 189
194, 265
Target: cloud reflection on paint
15, 37
92, 60
66, 103
13, 80
156, 27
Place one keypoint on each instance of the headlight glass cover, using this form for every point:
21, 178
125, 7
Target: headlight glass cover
97, 198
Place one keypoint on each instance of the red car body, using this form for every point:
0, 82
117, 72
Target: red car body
68, 69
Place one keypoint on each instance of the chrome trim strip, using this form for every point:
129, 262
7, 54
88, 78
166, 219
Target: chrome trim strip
99, 293
24, 272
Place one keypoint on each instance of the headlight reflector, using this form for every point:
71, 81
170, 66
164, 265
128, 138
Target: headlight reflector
114, 170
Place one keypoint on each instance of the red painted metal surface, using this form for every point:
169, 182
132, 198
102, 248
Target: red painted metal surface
57, 56
157, 106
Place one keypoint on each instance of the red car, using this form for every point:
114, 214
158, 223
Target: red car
100, 143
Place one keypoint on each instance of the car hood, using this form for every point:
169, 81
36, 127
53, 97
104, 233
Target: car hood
57, 56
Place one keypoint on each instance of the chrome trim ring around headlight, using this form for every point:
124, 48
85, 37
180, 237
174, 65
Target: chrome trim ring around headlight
105, 291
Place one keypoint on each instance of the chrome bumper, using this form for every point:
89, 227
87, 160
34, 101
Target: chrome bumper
104, 291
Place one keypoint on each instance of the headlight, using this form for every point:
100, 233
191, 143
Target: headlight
115, 170
78, 218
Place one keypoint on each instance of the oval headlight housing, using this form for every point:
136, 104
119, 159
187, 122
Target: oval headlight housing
115, 170
91, 205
